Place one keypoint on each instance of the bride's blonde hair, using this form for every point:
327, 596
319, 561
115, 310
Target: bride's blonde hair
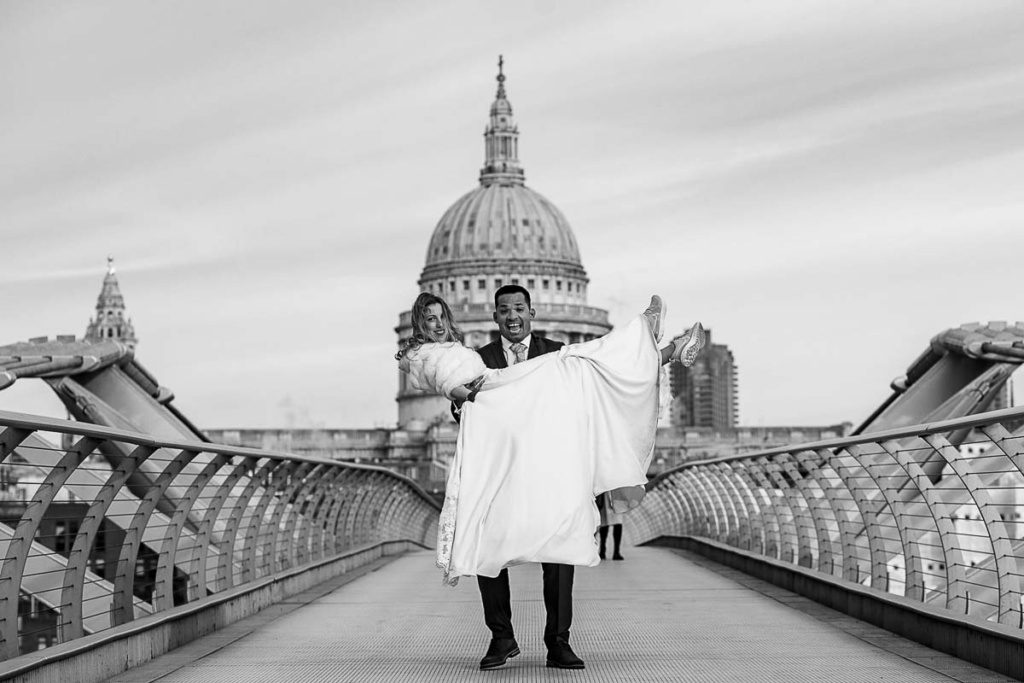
420, 334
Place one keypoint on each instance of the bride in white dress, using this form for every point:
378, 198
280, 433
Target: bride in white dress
540, 439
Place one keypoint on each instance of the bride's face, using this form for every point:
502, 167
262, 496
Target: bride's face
437, 324
514, 317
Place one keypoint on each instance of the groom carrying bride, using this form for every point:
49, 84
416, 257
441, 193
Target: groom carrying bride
544, 427
514, 313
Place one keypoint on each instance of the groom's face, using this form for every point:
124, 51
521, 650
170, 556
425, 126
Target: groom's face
513, 316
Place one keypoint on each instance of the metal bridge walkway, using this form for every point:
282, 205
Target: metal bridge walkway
662, 615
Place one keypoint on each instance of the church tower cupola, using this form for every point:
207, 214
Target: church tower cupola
501, 141
111, 322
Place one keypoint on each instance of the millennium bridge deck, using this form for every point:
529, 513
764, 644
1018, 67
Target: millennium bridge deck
661, 615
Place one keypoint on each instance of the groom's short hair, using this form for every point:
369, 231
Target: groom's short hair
512, 289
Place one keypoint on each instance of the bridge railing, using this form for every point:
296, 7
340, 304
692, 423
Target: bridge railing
901, 511
99, 527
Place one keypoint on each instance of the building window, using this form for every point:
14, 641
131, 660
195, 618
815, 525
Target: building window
558, 285
452, 288
531, 283
497, 283
481, 284
546, 284
515, 281
465, 285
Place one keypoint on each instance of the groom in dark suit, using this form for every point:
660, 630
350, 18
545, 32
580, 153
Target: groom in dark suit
514, 313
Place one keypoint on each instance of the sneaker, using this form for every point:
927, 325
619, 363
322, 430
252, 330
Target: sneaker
655, 314
688, 345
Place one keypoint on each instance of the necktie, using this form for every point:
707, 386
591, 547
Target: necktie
520, 351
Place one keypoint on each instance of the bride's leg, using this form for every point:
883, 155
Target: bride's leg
686, 346
655, 314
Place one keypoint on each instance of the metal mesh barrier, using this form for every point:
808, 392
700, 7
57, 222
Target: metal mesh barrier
99, 527
901, 511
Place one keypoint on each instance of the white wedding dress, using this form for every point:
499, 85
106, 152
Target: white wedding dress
541, 439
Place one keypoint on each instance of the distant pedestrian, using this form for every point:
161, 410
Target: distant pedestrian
609, 518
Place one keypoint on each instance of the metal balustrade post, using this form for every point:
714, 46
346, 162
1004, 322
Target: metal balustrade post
288, 555
684, 511
163, 589
69, 624
817, 463
365, 515
124, 581
739, 503
777, 543
953, 559
756, 541
335, 537
663, 513
1008, 573
352, 510
659, 513
819, 510
405, 513
255, 530
13, 568
796, 504
704, 520
869, 511
299, 524
914, 583
854, 523
725, 516
385, 520
317, 544
309, 528
294, 480
226, 570
200, 549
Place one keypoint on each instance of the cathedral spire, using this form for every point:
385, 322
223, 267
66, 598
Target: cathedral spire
110, 321
501, 140
501, 77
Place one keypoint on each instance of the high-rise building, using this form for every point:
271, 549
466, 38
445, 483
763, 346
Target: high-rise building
111, 321
705, 394
498, 234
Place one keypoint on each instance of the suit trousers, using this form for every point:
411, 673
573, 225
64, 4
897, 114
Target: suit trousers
497, 601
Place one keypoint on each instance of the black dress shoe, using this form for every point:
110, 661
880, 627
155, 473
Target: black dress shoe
561, 656
498, 652
617, 556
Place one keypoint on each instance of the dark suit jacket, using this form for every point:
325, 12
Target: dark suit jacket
494, 355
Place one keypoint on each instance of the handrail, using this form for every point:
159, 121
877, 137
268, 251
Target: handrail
902, 511
944, 426
112, 524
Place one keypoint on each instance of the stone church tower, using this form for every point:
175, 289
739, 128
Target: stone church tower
110, 321
500, 233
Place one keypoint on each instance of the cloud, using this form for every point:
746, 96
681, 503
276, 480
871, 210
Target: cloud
802, 178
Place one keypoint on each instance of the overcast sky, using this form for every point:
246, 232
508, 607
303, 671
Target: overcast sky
826, 185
